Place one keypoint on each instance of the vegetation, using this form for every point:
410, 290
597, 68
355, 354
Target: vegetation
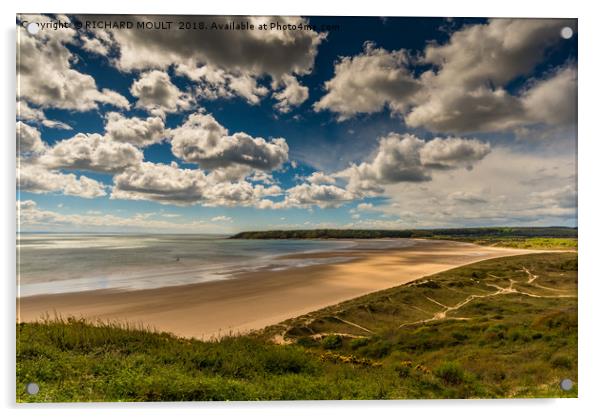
518, 237
498, 328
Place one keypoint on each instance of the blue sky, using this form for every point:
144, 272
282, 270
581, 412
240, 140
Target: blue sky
404, 122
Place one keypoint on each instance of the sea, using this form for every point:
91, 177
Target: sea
63, 263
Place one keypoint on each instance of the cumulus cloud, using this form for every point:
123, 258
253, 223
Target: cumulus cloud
213, 83
271, 52
319, 177
291, 95
321, 195
158, 95
224, 63
94, 45
407, 158
160, 182
37, 179
91, 152
202, 140
46, 76
367, 82
139, 132
453, 153
29, 139
36, 116
466, 89
465, 86
553, 100
170, 184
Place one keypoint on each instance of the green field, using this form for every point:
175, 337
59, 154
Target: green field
495, 329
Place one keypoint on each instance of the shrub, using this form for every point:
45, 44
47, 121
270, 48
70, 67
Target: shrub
403, 369
359, 342
288, 360
306, 341
332, 341
459, 336
451, 373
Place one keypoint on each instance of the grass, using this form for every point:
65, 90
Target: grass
391, 344
556, 243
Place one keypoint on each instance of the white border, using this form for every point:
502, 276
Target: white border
589, 204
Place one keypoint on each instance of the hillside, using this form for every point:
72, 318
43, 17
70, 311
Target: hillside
498, 328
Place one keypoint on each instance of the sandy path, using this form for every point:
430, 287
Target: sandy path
255, 300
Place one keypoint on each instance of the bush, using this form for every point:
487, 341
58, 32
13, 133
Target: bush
403, 369
451, 373
359, 342
288, 360
308, 342
332, 341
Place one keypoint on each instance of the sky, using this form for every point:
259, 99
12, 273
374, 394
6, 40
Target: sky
126, 125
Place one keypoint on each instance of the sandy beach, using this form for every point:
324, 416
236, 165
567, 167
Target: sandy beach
256, 299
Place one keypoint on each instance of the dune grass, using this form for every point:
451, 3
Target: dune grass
495, 329
554, 243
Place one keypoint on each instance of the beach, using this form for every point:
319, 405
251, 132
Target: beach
254, 299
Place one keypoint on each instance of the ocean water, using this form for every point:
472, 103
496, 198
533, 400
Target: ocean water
60, 263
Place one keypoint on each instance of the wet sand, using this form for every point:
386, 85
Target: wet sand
256, 299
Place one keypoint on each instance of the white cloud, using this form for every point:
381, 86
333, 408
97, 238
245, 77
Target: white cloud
214, 83
37, 179
247, 87
291, 95
202, 140
158, 95
31, 216
407, 158
509, 187
139, 132
271, 52
46, 77
29, 139
453, 153
365, 206
564, 197
160, 182
91, 152
465, 89
33, 115
553, 100
319, 177
170, 184
94, 45
223, 63
367, 82
321, 195
222, 219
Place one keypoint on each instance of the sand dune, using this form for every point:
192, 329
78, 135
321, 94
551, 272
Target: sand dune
255, 300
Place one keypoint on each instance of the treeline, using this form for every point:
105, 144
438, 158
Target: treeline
478, 232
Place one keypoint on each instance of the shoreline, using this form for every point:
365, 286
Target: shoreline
253, 300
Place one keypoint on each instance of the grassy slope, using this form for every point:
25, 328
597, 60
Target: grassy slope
555, 243
514, 344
